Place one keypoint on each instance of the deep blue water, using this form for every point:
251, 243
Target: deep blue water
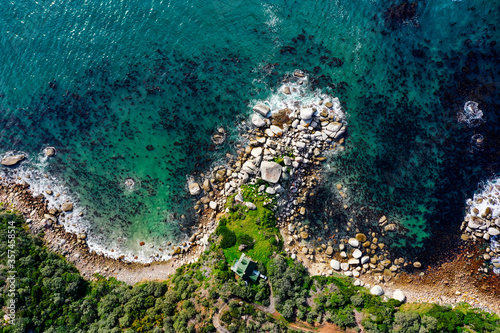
135, 89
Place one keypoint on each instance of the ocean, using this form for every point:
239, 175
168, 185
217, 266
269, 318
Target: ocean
130, 92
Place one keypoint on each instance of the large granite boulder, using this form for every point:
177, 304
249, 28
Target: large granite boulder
261, 109
270, 171
258, 121
194, 189
12, 160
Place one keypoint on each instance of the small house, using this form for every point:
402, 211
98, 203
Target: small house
247, 269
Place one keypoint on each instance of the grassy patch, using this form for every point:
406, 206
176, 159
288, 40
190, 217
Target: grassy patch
254, 228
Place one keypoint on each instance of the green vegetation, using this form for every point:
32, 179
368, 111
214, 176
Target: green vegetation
51, 296
256, 229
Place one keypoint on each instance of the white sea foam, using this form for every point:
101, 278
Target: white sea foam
33, 171
471, 115
488, 197
301, 96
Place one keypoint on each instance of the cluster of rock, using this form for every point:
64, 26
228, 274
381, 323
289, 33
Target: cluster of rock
285, 148
482, 222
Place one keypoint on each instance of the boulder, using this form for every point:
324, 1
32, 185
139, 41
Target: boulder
335, 264
194, 189
67, 206
361, 237
329, 251
207, 186
12, 160
353, 242
417, 264
493, 231
353, 261
357, 254
304, 235
242, 247
390, 227
261, 109
286, 90
306, 113
377, 291
249, 167
399, 295
258, 121
276, 130
239, 198
213, 205
50, 151
256, 152
270, 171
344, 266
250, 205
365, 260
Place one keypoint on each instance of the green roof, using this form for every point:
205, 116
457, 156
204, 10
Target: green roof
244, 268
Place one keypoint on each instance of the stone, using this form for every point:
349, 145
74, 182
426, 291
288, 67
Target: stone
256, 152
356, 273
48, 191
286, 90
194, 189
377, 290
365, 260
302, 210
382, 219
250, 205
276, 130
353, 242
399, 295
344, 266
239, 198
417, 264
258, 121
67, 206
293, 256
50, 151
213, 205
348, 273
249, 167
339, 187
270, 190
493, 231
261, 109
334, 127
390, 227
206, 185
306, 113
361, 237
304, 235
353, 261
305, 250
329, 251
335, 264
12, 160
242, 247
357, 254
270, 171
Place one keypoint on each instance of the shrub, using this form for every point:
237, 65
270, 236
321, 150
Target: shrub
228, 237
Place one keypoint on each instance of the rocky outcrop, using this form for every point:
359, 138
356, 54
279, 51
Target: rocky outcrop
12, 160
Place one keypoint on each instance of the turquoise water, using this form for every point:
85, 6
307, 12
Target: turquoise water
134, 89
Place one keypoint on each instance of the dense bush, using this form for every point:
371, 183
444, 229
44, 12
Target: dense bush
228, 237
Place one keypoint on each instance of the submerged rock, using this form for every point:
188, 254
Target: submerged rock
12, 160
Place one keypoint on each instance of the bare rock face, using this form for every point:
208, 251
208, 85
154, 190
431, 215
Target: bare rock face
270, 171
12, 160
